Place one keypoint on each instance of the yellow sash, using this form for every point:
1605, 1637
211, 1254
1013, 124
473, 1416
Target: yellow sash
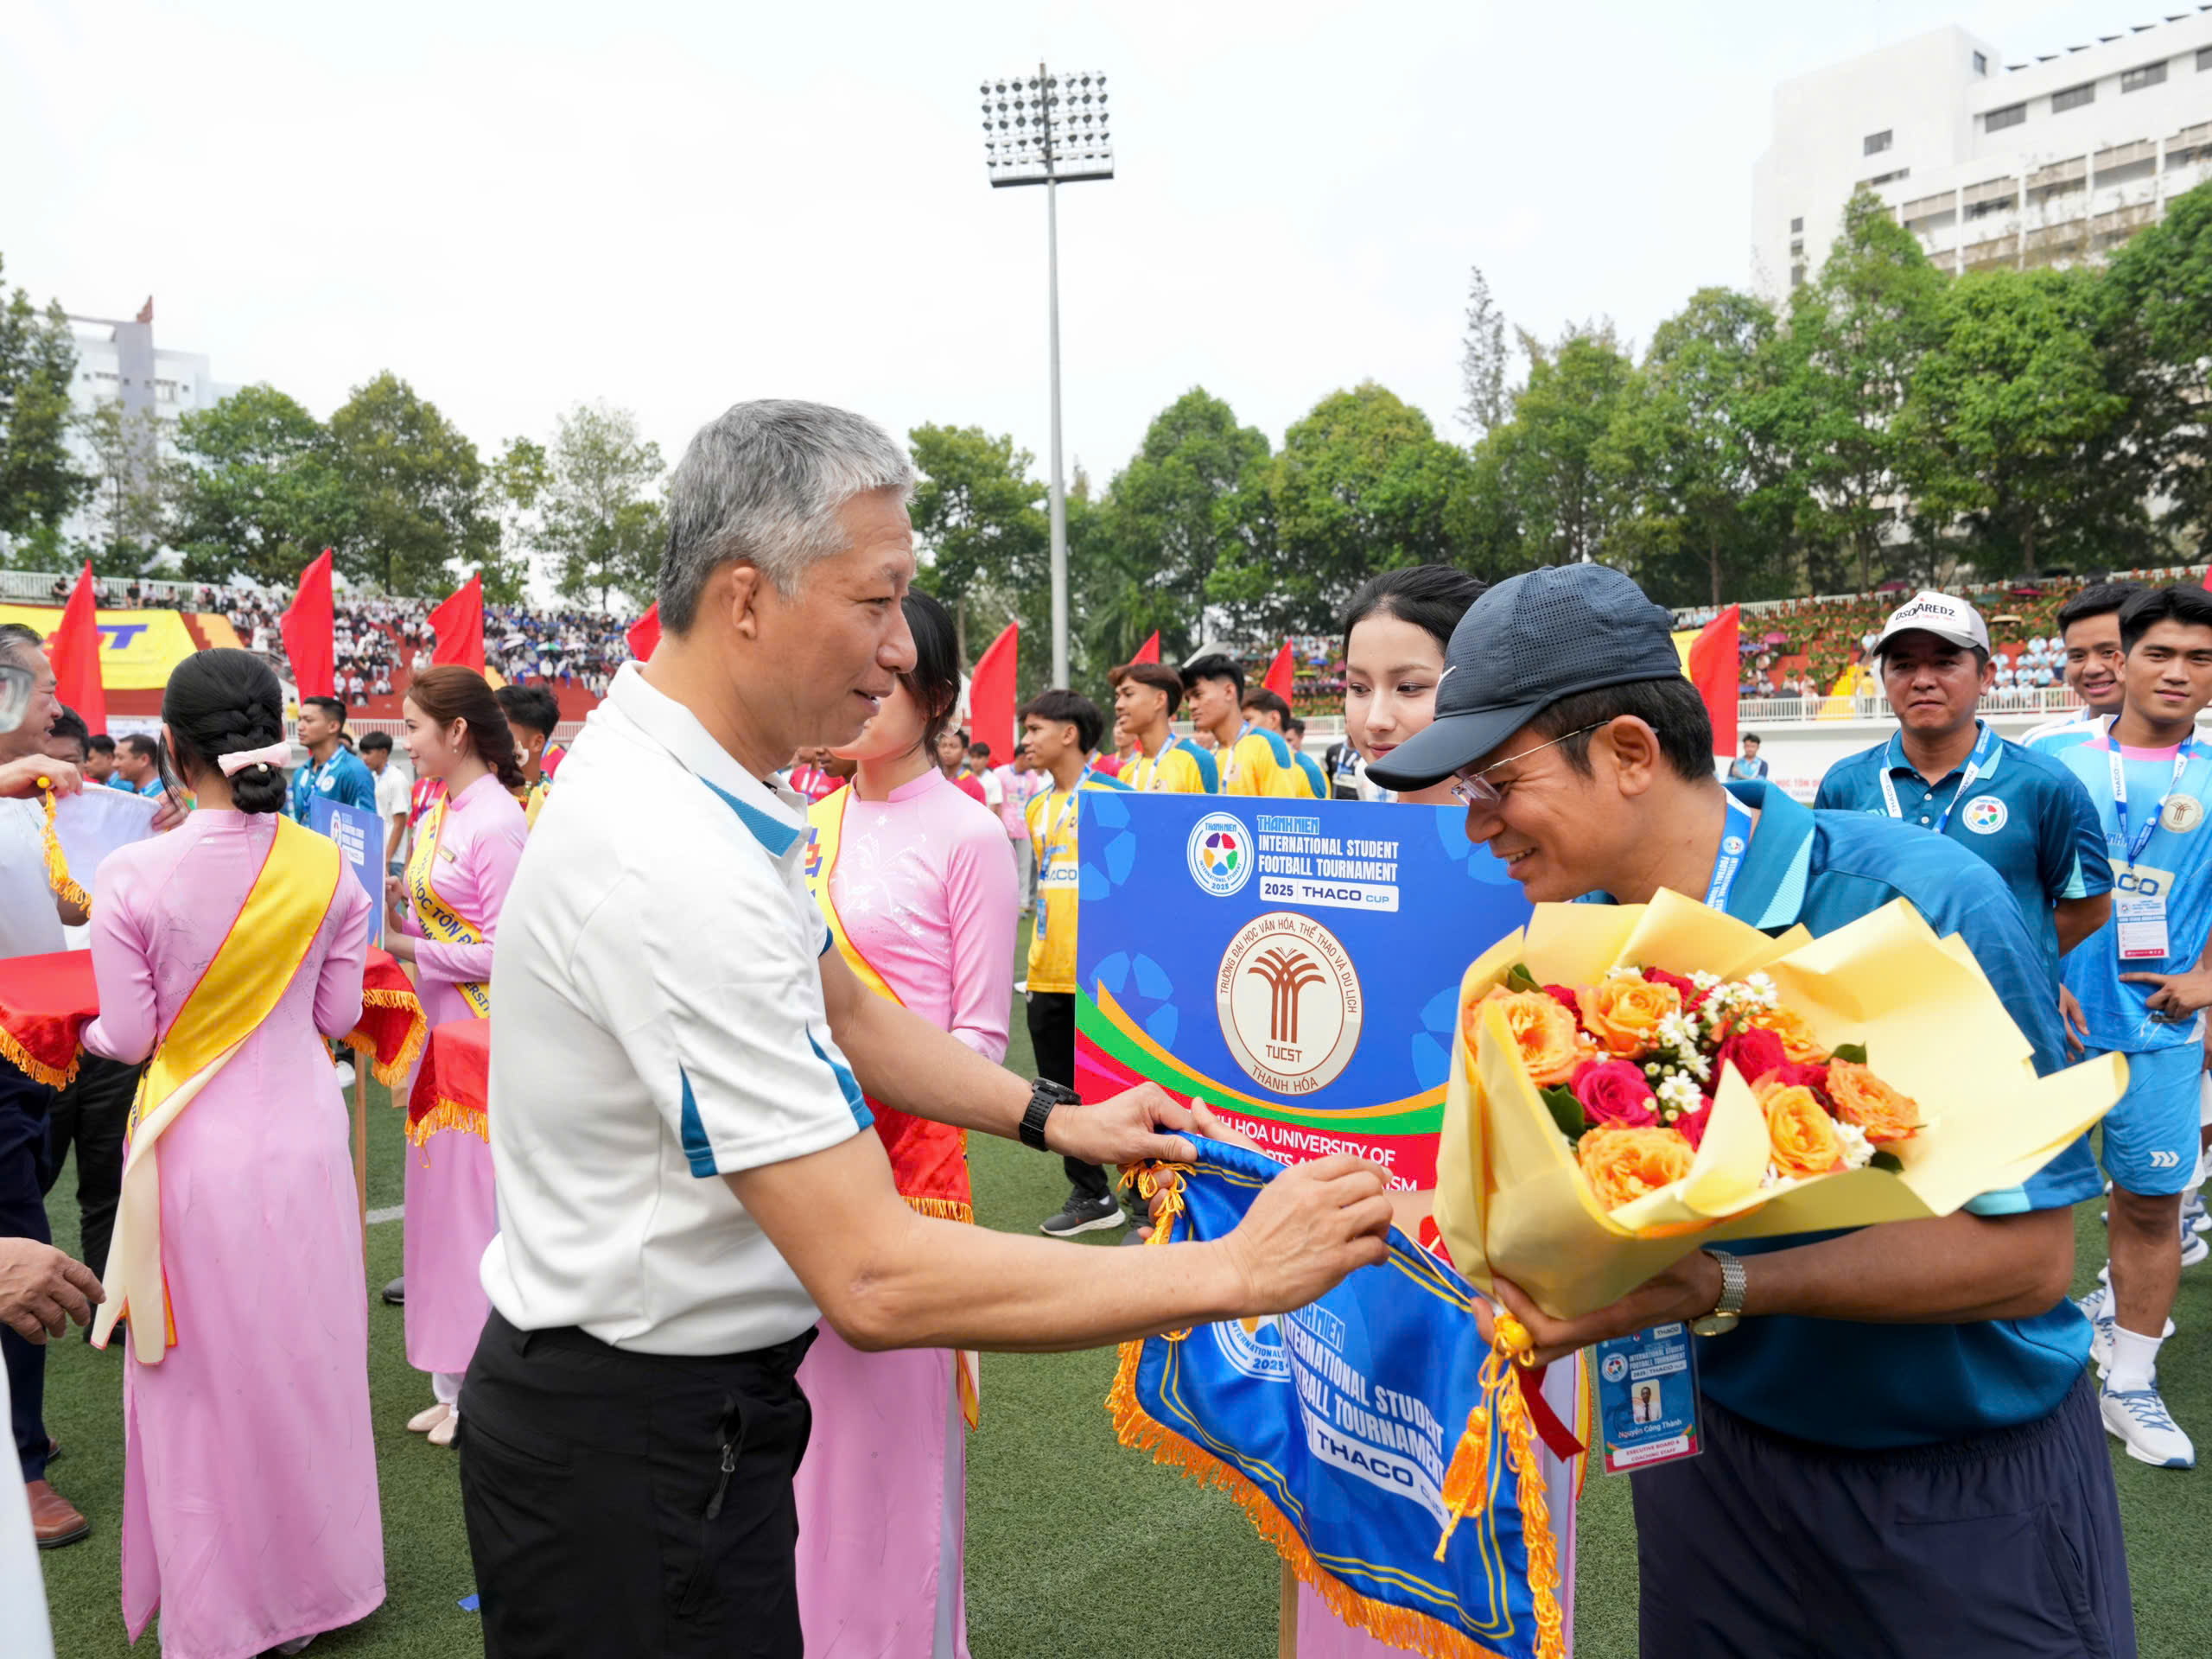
826, 822
438, 919
252, 969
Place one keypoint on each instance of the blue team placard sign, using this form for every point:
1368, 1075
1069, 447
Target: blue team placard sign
1296, 964
359, 835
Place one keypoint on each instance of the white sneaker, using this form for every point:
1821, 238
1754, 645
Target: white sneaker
2195, 1247
345, 1074
2139, 1420
2194, 1217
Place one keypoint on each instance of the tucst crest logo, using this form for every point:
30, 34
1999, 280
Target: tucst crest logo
1289, 1003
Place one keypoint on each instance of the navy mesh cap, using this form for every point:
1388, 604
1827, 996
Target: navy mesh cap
1529, 641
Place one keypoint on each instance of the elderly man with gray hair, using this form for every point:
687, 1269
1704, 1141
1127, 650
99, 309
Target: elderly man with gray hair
680, 1067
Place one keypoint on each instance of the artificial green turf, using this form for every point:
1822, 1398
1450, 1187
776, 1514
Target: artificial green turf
1073, 1543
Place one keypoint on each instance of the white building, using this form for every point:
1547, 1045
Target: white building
1988, 160
118, 362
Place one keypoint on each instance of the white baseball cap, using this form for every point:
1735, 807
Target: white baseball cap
1940, 615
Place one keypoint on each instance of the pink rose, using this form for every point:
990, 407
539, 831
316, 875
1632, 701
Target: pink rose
1754, 1051
1808, 1075
1690, 994
1613, 1092
1565, 994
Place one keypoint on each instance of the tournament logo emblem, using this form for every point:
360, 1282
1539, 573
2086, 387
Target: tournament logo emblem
2182, 814
1985, 815
1615, 1366
1289, 1001
1220, 854
1253, 1347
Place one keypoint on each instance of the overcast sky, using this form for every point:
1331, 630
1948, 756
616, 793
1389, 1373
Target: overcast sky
673, 207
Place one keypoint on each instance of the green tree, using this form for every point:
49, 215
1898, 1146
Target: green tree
1194, 493
1483, 361
133, 488
1856, 336
520, 475
2011, 430
260, 493
1707, 508
2159, 348
40, 483
1361, 484
1565, 501
604, 522
980, 519
416, 489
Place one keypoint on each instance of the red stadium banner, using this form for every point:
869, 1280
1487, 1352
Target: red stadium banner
1280, 672
458, 624
307, 626
644, 633
1148, 652
75, 652
1712, 662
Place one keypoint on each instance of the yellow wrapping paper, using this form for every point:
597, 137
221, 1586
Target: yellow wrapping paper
1510, 1200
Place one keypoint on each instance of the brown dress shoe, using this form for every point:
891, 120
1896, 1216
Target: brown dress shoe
55, 1520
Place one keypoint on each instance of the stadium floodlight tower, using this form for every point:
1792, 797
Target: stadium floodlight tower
1049, 130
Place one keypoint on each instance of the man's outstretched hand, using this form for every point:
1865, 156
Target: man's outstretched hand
1139, 1125
41, 1289
1310, 1227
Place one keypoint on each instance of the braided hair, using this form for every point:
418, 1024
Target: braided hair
221, 702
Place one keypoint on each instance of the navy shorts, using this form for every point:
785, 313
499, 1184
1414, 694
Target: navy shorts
1769, 1547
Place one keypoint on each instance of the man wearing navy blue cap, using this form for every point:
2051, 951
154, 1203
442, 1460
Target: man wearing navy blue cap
1902, 1454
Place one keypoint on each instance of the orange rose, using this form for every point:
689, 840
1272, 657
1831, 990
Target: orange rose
1863, 1098
1800, 1134
1544, 1030
1624, 1013
1797, 1039
1622, 1165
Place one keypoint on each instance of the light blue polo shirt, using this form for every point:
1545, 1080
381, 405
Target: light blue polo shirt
1872, 1387
2027, 818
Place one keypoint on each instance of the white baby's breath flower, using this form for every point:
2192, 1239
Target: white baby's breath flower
1625, 970
1857, 1150
1678, 1094
1770, 1177
1703, 981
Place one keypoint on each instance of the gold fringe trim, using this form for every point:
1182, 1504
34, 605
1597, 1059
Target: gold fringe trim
36, 1069
1400, 1627
448, 1115
943, 1209
410, 1048
57, 862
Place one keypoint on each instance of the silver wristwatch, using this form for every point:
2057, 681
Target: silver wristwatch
1730, 1307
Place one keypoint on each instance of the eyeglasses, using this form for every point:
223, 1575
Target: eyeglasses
15, 695
1475, 788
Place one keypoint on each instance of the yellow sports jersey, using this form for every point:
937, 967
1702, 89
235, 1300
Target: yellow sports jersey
1180, 768
1260, 763
1052, 833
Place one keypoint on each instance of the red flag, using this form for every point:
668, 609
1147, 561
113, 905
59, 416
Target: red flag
1279, 674
990, 693
1148, 652
75, 652
1713, 669
644, 633
458, 624
306, 627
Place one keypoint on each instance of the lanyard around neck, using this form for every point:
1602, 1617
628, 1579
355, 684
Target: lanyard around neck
1984, 747
1735, 843
2135, 844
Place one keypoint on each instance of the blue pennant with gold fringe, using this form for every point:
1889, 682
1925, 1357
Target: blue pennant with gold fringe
1372, 1437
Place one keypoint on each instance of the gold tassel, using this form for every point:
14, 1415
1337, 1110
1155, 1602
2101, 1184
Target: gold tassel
37, 1070
57, 862
410, 1048
1466, 1482
443, 1115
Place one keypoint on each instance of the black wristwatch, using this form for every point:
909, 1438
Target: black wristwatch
1044, 1095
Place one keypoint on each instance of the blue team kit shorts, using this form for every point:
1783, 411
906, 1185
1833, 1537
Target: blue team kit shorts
2151, 1136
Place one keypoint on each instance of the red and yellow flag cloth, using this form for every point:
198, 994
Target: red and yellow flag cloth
929, 1161
45, 1001
252, 969
453, 1089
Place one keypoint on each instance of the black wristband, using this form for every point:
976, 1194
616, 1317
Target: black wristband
1044, 1096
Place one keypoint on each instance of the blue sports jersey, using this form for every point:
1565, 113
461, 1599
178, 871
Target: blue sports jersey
2024, 814
1869, 1387
2175, 864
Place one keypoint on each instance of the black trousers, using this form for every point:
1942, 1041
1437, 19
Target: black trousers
23, 1215
1052, 1036
90, 1117
621, 1503
1767, 1547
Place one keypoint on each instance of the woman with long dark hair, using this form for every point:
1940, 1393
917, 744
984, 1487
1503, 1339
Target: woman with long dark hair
227, 949
466, 850
913, 880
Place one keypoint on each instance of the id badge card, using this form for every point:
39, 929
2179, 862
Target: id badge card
2142, 922
1646, 1398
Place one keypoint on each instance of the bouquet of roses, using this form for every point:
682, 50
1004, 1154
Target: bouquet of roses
1627, 1066
1632, 1081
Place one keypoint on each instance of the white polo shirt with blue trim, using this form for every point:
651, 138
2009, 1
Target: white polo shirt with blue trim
658, 1025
